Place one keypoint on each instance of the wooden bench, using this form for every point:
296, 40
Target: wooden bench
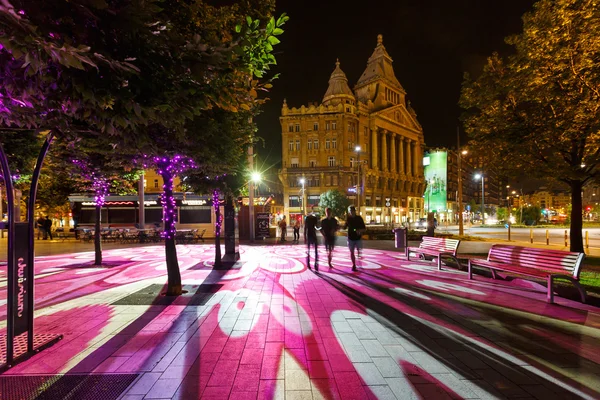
534, 262
436, 247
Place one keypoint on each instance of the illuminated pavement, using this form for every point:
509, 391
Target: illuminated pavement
271, 329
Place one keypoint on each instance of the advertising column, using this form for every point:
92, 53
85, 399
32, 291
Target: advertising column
436, 177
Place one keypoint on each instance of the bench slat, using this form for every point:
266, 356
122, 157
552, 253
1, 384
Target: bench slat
550, 260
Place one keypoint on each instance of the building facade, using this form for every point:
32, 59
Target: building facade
366, 142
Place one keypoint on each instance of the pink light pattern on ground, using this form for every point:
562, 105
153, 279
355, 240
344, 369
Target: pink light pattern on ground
393, 328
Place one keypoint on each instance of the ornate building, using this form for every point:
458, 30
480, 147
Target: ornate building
369, 135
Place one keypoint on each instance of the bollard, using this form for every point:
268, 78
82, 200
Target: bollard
566, 244
531, 235
587, 240
547, 237
509, 232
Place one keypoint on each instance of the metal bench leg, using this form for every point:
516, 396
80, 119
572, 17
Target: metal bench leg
580, 288
407, 255
470, 269
550, 295
439, 263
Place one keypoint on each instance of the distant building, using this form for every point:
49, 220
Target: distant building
319, 146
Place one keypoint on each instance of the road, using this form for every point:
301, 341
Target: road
556, 235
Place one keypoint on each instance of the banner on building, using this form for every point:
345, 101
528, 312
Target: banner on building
436, 177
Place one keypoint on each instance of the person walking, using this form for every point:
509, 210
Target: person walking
40, 226
311, 223
47, 227
356, 227
296, 231
283, 227
329, 226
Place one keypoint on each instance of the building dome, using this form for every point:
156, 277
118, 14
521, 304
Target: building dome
338, 90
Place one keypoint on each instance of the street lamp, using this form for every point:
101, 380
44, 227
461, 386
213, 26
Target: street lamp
358, 185
477, 176
255, 177
461, 230
302, 182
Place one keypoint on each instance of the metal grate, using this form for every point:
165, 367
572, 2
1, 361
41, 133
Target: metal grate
65, 387
151, 296
20, 345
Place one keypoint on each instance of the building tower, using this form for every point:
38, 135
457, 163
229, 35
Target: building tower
320, 144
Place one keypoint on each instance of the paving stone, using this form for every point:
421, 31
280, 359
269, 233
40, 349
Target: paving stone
380, 393
388, 367
374, 348
296, 379
402, 388
369, 374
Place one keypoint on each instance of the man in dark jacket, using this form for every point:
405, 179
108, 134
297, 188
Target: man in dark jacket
311, 227
356, 227
329, 226
47, 227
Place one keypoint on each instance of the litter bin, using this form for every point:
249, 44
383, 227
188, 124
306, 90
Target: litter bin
401, 238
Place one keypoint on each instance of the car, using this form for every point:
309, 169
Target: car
422, 223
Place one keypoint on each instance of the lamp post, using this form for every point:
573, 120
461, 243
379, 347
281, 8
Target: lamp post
482, 197
461, 228
251, 194
358, 185
302, 182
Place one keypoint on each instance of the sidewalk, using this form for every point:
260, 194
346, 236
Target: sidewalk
271, 329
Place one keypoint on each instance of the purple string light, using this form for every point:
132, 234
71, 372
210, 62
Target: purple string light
168, 168
100, 184
219, 219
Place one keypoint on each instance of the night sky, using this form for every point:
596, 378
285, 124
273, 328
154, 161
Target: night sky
432, 44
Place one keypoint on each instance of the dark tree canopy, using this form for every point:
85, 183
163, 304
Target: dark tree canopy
538, 111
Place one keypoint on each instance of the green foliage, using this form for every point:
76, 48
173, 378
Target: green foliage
502, 214
336, 200
256, 46
95, 159
531, 215
537, 111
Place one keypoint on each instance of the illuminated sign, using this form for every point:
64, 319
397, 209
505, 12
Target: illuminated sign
436, 173
88, 203
150, 203
194, 202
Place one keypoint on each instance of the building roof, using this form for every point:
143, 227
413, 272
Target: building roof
379, 66
338, 87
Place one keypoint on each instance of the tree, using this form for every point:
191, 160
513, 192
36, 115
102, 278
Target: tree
537, 111
531, 215
175, 146
138, 71
502, 213
92, 163
224, 165
336, 200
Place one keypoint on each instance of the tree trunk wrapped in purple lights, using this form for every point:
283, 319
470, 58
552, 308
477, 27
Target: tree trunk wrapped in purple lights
101, 190
168, 168
218, 224
100, 185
